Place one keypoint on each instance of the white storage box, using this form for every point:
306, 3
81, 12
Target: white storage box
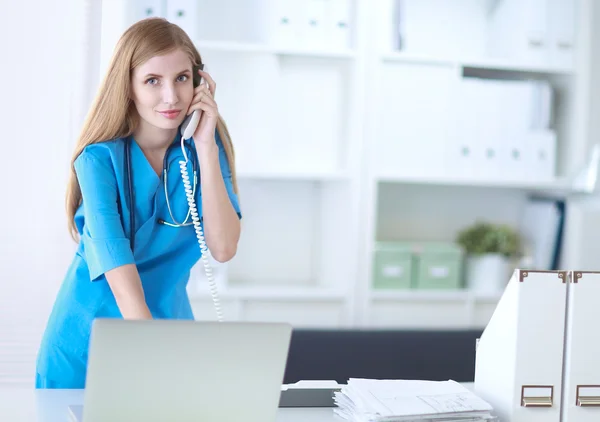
537, 359
518, 364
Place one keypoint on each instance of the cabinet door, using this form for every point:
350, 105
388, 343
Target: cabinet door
184, 13
534, 42
518, 32
561, 22
141, 9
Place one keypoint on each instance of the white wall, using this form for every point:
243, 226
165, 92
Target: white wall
39, 80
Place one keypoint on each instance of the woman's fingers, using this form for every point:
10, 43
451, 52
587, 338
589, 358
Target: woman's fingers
202, 98
211, 83
208, 108
202, 88
206, 102
202, 95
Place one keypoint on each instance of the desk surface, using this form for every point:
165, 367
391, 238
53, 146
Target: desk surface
21, 404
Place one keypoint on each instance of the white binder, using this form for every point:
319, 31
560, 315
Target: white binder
519, 359
581, 381
184, 13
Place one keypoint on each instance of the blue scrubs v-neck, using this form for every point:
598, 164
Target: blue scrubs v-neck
163, 255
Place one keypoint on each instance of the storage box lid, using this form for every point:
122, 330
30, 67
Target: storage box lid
394, 246
426, 247
439, 248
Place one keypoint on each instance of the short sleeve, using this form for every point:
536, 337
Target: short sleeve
226, 172
104, 242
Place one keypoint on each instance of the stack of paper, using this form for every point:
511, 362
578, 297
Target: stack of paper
366, 400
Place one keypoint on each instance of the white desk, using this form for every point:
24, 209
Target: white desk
20, 404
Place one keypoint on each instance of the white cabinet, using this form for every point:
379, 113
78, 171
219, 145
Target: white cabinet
311, 24
534, 32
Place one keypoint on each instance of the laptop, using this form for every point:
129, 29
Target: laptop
174, 370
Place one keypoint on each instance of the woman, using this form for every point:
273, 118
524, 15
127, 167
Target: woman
148, 91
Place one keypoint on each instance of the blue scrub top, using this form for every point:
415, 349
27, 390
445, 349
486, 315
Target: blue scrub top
163, 255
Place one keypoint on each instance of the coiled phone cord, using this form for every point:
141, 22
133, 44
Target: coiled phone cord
199, 233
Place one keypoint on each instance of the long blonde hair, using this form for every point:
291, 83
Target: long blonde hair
113, 114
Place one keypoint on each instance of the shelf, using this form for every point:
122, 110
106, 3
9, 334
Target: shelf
489, 64
418, 59
561, 186
432, 295
234, 47
486, 297
273, 293
239, 47
493, 64
327, 53
292, 175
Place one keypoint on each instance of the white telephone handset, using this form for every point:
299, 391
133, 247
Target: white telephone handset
188, 128
189, 125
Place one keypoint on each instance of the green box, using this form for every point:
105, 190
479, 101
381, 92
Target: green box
440, 266
393, 266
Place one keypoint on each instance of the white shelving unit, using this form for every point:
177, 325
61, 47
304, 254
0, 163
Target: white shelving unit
415, 190
340, 146
294, 111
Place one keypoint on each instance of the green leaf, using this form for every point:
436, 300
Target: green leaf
486, 238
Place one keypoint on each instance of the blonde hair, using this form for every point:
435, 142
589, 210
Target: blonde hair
113, 114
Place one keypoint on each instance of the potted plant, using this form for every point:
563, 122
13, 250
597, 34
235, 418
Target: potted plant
490, 249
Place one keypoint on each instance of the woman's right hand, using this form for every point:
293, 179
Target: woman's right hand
126, 286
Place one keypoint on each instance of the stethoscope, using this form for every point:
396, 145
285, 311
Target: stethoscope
131, 197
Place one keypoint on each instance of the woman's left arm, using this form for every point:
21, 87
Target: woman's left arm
221, 219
